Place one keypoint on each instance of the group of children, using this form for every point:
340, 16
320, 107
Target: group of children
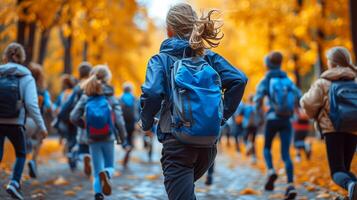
78, 118
179, 79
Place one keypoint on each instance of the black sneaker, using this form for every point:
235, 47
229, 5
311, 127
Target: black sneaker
98, 196
105, 182
269, 185
290, 193
14, 191
352, 192
209, 180
32, 169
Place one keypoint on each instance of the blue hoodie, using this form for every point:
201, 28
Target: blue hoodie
262, 91
156, 87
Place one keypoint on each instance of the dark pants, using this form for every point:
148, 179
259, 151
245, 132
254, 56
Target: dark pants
16, 135
182, 165
210, 171
341, 148
283, 127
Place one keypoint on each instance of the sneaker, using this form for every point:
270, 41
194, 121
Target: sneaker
87, 165
269, 185
352, 191
290, 193
14, 190
105, 182
99, 196
209, 180
32, 169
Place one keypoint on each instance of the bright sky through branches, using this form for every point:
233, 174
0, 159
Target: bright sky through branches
158, 9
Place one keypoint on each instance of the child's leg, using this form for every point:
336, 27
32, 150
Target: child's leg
108, 155
97, 165
285, 138
17, 139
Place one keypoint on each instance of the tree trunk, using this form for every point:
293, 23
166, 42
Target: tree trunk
67, 45
320, 39
21, 29
45, 34
30, 42
85, 51
353, 18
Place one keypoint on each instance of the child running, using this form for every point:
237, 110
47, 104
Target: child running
17, 92
187, 153
252, 120
99, 112
33, 133
282, 94
337, 126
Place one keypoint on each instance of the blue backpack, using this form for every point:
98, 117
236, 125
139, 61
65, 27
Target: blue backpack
197, 108
282, 96
10, 100
99, 118
343, 105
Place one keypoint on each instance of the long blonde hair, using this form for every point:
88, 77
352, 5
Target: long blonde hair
99, 75
340, 57
202, 33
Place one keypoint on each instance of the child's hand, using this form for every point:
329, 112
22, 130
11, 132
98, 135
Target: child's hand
43, 134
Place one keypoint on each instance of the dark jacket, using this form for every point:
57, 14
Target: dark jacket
77, 114
155, 90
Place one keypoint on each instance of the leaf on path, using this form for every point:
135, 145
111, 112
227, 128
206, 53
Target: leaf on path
310, 188
201, 190
60, 181
70, 193
324, 195
249, 191
117, 174
276, 196
35, 183
78, 188
37, 191
152, 177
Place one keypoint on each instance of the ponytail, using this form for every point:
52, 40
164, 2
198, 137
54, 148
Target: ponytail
206, 33
92, 86
201, 33
341, 57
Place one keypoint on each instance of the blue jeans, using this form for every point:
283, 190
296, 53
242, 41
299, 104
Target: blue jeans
284, 128
102, 154
16, 135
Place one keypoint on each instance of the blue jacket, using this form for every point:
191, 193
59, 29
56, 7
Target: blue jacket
156, 86
263, 88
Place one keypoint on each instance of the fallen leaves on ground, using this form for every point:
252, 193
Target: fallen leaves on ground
60, 181
249, 191
70, 193
152, 177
